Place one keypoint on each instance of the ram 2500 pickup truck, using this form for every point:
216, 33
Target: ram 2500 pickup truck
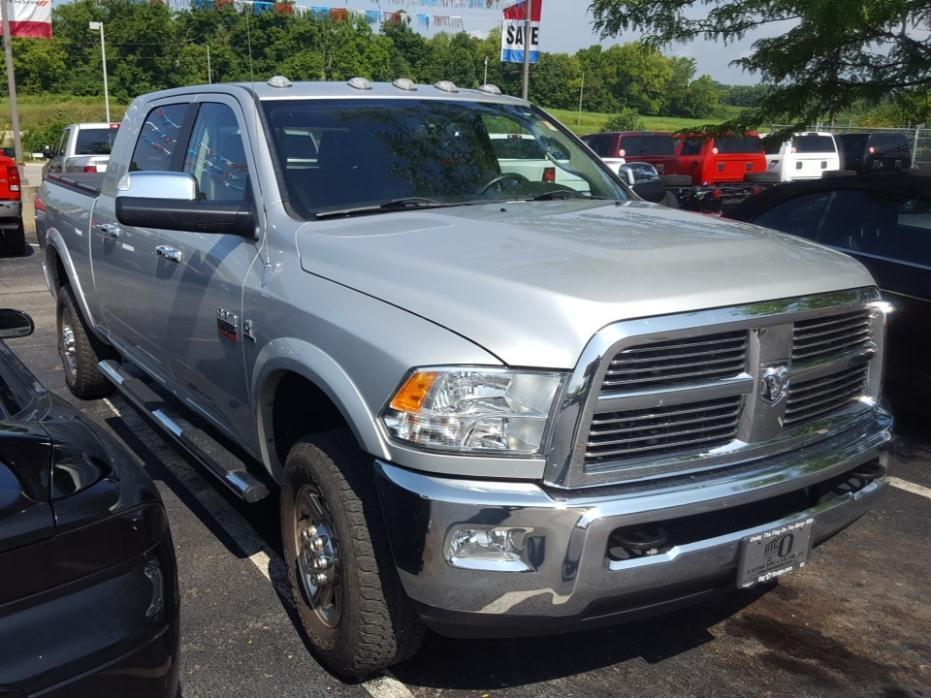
493, 406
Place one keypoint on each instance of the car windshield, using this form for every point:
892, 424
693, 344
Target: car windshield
734, 145
95, 141
647, 145
338, 155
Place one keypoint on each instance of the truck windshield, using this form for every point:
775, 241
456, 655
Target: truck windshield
95, 141
339, 155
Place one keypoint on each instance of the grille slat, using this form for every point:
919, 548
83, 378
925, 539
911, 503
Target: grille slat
833, 336
664, 430
821, 396
672, 363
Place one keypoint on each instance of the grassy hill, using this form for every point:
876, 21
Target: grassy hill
592, 122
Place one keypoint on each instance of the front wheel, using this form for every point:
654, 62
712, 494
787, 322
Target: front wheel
340, 567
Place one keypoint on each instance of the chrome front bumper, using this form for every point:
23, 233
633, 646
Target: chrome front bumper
569, 579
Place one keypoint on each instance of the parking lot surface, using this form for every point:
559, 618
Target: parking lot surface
855, 621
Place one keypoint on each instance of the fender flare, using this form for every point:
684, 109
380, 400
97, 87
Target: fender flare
55, 242
297, 356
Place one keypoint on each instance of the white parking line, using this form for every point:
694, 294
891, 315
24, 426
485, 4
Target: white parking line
920, 490
112, 407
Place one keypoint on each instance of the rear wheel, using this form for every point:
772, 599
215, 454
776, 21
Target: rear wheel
79, 351
14, 241
340, 567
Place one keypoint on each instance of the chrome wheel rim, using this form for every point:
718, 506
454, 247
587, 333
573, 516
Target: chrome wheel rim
317, 555
67, 348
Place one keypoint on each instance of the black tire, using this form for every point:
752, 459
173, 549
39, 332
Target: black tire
676, 180
14, 241
80, 352
670, 200
377, 626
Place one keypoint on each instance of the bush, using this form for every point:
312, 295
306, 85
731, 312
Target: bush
626, 119
35, 140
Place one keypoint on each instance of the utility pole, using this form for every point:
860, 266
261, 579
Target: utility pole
527, 13
209, 74
98, 26
581, 95
11, 81
485, 81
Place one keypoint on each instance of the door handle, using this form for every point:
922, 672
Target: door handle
109, 230
172, 254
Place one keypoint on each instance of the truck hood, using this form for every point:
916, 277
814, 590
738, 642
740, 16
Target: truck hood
532, 282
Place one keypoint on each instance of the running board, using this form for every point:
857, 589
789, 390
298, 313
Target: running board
215, 457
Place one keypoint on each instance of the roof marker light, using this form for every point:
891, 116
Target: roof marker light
488, 88
446, 86
279, 81
405, 84
360, 84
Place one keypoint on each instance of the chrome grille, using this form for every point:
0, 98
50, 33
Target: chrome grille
831, 336
679, 361
820, 396
678, 394
660, 430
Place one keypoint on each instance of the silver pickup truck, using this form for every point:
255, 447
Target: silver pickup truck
491, 405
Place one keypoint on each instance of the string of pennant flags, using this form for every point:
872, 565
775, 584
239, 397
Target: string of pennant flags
423, 20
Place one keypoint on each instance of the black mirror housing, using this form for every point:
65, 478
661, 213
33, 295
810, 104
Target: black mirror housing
194, 216
15, 323
652, 190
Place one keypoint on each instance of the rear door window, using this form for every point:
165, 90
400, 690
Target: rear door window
158, 138
602, 145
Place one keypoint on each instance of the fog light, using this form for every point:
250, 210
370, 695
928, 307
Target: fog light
492, 549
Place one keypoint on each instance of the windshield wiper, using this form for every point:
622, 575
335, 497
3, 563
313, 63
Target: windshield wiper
565, 194
392, 205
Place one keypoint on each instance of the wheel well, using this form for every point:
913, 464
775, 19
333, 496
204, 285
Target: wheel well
298, 408
56, 268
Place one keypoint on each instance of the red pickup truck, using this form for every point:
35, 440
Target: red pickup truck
711, 160
12, 237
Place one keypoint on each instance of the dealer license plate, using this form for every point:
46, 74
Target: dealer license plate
771, 554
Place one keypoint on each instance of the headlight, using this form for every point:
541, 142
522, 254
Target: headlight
473, 410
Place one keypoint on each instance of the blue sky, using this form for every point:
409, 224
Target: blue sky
567, 27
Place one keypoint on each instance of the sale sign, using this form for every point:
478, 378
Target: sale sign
512, 32
31, 18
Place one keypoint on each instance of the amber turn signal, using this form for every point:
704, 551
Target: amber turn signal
411, 396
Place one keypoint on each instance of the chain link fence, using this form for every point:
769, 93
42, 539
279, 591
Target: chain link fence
918, 137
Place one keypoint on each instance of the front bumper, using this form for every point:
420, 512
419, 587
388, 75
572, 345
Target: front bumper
569, 580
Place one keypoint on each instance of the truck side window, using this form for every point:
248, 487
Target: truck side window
692, 146
158, 138
215, 155
63, 142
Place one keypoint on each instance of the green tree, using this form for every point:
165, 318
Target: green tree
834, 54
626, 119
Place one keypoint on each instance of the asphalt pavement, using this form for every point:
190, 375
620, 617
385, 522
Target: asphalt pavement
855, 621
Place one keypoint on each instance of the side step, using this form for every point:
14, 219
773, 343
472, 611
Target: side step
231, 470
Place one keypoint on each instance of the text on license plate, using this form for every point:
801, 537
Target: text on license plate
767, 555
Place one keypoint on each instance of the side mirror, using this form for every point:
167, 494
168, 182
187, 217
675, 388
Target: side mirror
626, 173
169, 200
15, 323
652, 190
47, 153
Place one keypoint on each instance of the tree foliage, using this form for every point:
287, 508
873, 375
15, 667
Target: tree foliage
152, 47
823, 56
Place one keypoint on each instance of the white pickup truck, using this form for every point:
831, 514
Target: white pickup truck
805, 155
